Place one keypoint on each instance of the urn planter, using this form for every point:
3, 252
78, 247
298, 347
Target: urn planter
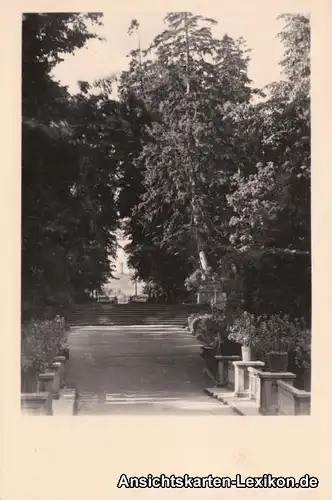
246, 353
277, 361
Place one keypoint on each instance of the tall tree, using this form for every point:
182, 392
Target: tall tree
70, 150
188, 153
271, 200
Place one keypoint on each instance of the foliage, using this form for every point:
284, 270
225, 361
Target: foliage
273, 333
199, 277
190, 162
278, 333
164, 271
221, 173
302, 349
209, 328
185, 154
41, 342
72, 149
244, 330
275, 283
191, 321
270, 199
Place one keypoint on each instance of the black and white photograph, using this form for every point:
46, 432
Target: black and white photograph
166, 212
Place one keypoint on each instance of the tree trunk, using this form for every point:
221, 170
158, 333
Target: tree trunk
187, 52
199, 239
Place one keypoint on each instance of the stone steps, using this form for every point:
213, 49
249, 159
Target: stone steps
131, 314
149, 403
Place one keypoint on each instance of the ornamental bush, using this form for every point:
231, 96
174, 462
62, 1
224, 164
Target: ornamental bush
276, 332
209, 328
41, 341
244, 330
191, 321
280, 333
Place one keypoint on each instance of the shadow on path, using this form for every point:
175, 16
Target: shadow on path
138, 370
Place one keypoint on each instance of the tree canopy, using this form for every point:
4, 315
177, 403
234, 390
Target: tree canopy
201, 170
222, 172
71, 151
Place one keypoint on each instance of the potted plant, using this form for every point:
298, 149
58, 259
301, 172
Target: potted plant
277, 338
243, 331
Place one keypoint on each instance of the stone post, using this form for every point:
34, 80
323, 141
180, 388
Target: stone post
241, 383
268, 403
303, 403
56, 380
45, 385
223, 365
36, 404
62, 371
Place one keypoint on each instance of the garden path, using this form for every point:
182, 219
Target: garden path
139, 370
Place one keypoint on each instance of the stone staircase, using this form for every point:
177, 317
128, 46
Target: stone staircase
133, 314
150, 403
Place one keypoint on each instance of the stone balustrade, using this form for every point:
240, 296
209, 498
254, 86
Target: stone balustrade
46, 400
255, 391
268, 384
274, 393
292, 401
38, 403
241, 382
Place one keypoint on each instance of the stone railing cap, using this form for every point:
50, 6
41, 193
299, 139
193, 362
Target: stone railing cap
227, 358
252, 369
59, 358
248, 363
34, 396
276, 375
298, 393
46, 376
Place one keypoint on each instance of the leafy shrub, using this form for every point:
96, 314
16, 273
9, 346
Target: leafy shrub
41, 341
209, 328
191, 320
244, 329
279, 333
302, 350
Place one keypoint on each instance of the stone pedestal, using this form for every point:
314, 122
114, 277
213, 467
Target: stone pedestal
36, 404
241, 386
268, 400
45, 382
62, 371
212, 294
303, 403
223, 369
45, 385
56, 379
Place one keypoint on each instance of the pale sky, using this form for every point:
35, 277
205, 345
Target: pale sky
254, 20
